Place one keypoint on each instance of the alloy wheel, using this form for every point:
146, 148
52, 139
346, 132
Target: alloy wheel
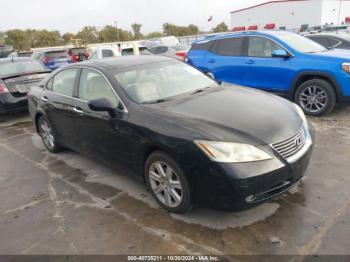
46, 134
165, 184
313, 99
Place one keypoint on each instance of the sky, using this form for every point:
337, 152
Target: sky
71, 15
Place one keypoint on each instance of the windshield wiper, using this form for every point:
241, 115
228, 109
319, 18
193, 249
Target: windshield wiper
200, 90
157, 101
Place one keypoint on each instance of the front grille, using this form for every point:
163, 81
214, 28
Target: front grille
289, 147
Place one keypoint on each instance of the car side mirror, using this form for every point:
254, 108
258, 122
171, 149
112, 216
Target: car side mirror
102, 105
280, 53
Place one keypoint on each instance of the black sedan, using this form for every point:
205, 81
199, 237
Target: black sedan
17, 75
192, 140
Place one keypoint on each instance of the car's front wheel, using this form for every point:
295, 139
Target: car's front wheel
47, 135
167, 183
316, 97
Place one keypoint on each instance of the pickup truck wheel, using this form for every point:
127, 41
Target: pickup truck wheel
316, 97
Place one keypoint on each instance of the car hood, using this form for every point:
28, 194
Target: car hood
234, 114
335, 53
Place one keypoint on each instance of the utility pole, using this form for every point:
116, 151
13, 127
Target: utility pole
340, 4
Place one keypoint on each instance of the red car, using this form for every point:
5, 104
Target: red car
78, 54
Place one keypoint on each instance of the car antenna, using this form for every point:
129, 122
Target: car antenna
12, 59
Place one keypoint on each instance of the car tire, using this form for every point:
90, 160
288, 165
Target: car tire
169, 187
316, 97
47, 135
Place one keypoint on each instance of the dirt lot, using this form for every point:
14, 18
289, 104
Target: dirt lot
70, 204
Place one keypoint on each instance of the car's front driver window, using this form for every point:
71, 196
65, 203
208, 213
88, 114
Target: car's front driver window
261, 47
94, 86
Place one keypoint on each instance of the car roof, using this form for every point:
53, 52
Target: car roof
126, 61
229, 35
15, 59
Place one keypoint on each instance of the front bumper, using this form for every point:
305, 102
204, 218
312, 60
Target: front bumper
10, 104
240, 186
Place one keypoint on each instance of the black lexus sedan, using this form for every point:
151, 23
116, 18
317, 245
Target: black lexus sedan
193, 141
17, 75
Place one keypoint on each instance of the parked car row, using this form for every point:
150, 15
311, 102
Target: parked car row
198, 132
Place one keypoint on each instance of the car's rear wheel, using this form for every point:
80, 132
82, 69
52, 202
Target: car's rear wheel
47, 135
167, 183
316, 97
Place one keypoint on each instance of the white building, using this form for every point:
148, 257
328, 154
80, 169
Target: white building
291, 14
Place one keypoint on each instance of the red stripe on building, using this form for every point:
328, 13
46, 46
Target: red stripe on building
266, 3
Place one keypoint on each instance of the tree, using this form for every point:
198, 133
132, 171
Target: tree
154, 35
137, 30
18, 39
109, 34
89, 34
112, 34
2, 38
171, 29
67, 37
222, 27
43, 38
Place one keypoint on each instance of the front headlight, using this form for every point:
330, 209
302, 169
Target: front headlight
346, 67
302, 115
231, 152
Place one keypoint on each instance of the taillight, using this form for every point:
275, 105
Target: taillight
3, 88
181, 55
46, 60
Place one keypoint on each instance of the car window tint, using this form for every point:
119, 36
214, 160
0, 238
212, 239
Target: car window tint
94, 86
231, 46
107, 53
63, 82
261, 47
202, 46
333, 42
321, 40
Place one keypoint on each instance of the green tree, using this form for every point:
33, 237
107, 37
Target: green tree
171, 29
89, 34
43, 38
2, 38
154, 35
222, 27
109, 34
67, 37
137, 30
18, 39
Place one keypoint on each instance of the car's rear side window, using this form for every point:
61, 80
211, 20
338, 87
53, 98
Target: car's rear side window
206, 46
63, 82
230, 46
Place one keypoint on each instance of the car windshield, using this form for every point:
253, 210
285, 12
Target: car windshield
21, 67
301, 44
56, 55
157, 82
77, 51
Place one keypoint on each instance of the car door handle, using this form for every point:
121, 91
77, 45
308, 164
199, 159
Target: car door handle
250, 62
211, 61
44, 99
78, 110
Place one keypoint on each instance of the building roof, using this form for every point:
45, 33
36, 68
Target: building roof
267, 3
